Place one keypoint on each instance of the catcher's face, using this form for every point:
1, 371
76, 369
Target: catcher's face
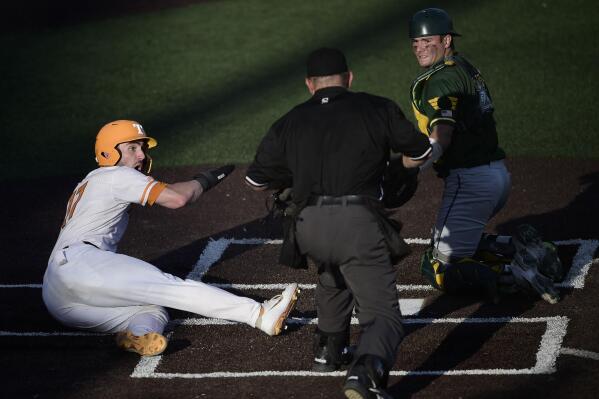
132, 154
430, 49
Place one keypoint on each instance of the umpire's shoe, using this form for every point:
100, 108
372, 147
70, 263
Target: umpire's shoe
331, 351
275, 310
367, 379
535, 264
150, 344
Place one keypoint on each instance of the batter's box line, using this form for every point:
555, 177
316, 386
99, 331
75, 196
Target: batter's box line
581, 263
546, 356
214, 250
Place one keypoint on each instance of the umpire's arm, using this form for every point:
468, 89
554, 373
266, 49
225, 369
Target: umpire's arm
269, 169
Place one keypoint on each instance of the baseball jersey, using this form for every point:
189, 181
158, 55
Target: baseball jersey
97, 210
453, 92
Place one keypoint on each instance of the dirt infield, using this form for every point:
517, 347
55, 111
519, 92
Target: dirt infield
456, 347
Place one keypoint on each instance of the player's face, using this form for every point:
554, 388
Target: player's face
428, 50
132, 154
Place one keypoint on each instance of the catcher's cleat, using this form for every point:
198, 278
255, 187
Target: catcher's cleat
275, 310
367, 379
150, 344
551, 265
528, 263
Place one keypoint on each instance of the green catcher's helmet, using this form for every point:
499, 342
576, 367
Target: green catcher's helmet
431, 22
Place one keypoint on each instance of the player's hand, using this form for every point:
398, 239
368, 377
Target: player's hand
211, 178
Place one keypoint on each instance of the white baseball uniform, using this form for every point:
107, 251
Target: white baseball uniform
87, 285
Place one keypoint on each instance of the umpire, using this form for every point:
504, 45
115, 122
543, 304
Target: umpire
333, 150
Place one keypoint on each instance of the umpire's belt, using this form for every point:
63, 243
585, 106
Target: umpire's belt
322, 200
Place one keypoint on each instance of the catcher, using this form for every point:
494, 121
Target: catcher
89, 286
453, 106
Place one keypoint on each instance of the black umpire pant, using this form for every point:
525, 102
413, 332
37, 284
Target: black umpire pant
356, 270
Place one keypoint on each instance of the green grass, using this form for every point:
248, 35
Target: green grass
207, 80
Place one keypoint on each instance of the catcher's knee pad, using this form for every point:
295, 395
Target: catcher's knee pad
463, 274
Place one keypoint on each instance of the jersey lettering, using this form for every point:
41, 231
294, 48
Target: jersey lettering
484, 100
72, 204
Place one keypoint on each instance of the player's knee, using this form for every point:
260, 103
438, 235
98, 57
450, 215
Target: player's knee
158, 313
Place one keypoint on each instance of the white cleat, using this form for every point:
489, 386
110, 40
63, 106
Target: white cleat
276, 310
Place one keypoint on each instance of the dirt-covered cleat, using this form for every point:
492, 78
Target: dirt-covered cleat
150, 344
527, 267
276, 310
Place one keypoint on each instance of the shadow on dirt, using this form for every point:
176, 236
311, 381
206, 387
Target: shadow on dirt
468, 337
579, 219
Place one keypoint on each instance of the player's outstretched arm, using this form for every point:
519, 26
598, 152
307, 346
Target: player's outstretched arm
177, 195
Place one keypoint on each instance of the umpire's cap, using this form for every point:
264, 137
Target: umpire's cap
431, 22
326, 61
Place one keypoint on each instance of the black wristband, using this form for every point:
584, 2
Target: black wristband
212, 177
203, 182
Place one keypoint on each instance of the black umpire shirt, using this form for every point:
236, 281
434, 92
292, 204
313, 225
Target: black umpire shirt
337, 143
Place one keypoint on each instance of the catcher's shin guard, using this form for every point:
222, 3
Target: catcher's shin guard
461, 275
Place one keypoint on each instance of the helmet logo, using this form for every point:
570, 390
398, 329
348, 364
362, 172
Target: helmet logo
140, 130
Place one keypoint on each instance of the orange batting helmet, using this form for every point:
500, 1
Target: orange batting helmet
122, 131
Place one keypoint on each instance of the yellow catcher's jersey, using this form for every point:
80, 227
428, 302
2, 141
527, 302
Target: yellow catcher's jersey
97, 210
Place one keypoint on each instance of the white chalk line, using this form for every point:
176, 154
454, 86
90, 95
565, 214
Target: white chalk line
548, 351
266, 287
546, 357
580, 353
198, 321
212, 253
581, 264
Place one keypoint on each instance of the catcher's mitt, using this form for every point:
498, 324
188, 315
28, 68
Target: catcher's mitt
399, 183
